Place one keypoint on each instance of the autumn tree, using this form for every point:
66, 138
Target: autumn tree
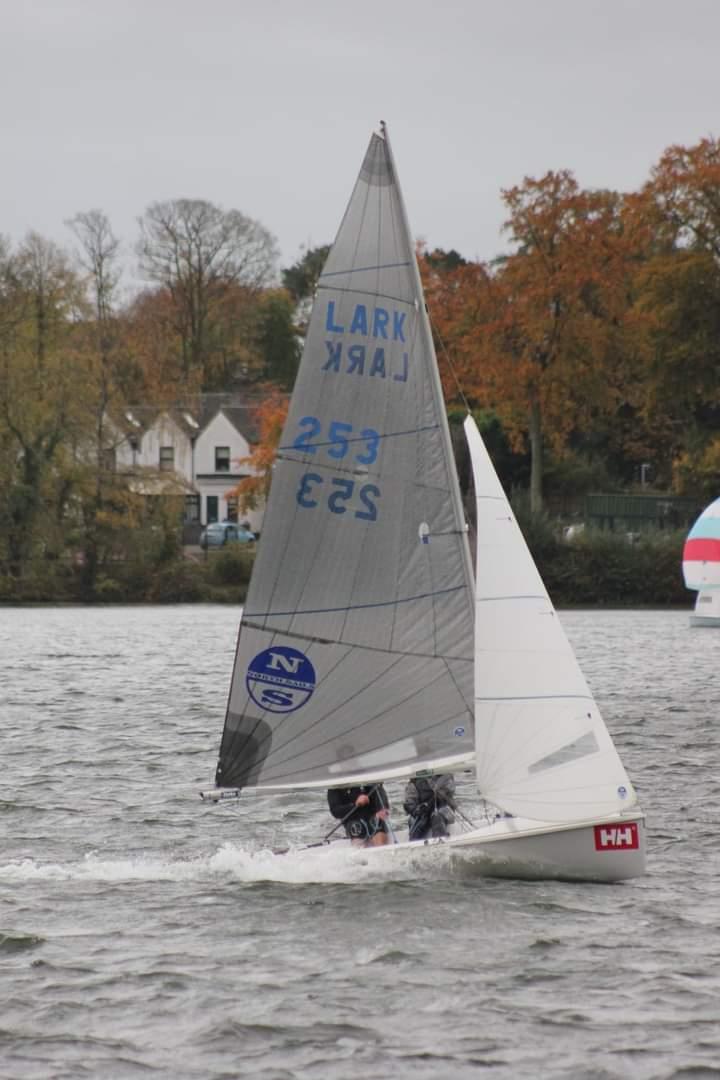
439, 260
301, 280
277, 338
11, 314
153, 370
200, 254
101, 494
40, 416
270, 417
538, 337
679, 296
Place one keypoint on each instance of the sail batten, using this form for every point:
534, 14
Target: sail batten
380, 747
361, 270
519, 596
352, 607
535, 697
384, 435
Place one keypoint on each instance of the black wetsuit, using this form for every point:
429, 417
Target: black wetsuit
429, 804
359, 821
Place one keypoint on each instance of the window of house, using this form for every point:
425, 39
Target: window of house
232, 508
192, 508
167, 458
109, 459
212, 509
222, 459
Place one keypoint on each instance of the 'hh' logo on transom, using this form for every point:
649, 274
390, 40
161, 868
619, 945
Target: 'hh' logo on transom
616, 837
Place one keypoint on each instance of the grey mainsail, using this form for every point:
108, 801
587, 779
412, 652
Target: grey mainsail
355, 653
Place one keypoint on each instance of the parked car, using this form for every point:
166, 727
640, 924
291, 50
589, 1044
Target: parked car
225, 532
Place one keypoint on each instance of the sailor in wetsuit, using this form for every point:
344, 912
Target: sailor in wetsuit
363, 811
429, 804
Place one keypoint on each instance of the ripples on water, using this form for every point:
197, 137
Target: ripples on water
144, 933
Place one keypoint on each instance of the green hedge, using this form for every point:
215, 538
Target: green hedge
611, 570
595, 569
218, 577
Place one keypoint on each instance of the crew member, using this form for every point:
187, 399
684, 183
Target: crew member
363, 811
429, 804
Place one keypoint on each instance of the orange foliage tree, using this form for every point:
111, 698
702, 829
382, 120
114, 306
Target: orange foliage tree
679, 295
270, 417
231, 345
157, 374
540, 336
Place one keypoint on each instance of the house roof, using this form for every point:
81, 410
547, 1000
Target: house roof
240, 411
137, 419
193, 417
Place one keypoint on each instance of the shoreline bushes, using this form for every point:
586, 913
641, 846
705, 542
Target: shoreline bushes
595, 569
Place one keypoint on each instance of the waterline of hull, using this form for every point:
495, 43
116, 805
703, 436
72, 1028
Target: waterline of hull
704, 620
530, 850
707, 608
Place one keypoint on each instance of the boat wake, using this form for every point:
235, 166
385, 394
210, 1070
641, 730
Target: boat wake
334, 864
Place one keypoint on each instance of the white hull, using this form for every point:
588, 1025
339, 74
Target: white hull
707, 608
611, 849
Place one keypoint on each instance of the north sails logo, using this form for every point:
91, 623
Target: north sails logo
280, 679
280, 662
617, 837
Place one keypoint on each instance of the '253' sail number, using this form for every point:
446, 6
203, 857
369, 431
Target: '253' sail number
341, 441
343, 491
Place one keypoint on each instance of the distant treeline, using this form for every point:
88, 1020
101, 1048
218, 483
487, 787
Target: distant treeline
596, 343
596, 569
590, 354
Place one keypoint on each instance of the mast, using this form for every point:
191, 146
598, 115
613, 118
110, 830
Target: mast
458, 508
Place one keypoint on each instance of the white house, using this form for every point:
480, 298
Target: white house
157, 440
196, 453
219, 448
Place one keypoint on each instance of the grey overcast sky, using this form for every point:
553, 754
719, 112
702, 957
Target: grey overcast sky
266, 106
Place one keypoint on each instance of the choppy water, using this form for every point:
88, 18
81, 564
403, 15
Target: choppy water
144, 933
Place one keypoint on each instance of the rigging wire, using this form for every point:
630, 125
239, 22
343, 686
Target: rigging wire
448, 361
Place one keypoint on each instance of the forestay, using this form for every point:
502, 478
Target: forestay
354, 659
542, 747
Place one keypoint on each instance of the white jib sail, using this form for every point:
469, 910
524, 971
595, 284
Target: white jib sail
542, 748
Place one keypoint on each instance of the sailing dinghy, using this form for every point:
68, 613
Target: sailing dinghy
368, 649
701, 566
